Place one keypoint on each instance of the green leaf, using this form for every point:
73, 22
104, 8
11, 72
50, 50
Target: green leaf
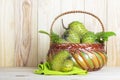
53, 36
108, 34
44, 32
104, 36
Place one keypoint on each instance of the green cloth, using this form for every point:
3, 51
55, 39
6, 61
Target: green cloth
45, 69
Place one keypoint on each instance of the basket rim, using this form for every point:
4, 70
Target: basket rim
76, 46
79, 43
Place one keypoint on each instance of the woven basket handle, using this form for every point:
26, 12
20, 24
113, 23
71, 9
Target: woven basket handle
70, 12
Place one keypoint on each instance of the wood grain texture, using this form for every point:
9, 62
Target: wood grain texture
114, 25
94, 6
26, 33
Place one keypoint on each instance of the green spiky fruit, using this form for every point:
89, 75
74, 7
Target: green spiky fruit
58, 60
89, 37
71, 36
67, 65
78, 27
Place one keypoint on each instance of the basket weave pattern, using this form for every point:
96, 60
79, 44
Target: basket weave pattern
89, 57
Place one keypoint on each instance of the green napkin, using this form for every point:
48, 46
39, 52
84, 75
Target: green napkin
45, 69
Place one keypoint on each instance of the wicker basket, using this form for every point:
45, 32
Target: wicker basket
90, 57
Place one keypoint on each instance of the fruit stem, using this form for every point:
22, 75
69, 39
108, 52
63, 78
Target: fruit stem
63, 25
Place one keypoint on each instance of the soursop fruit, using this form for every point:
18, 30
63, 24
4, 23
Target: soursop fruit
89, 37
58, 60
67, 65
62, 41
78, 27
71, 36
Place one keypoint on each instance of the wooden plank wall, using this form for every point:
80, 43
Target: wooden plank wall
20, 20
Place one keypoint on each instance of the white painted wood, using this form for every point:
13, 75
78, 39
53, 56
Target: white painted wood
47, 11
7, 33
71, 6
114, 25
98, 8
106, 73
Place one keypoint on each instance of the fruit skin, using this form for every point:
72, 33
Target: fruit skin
67, 65
78, 27
89, 37
71, 36
58, 60
62, 41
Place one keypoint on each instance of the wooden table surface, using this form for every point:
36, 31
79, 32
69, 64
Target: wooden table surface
106, 73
